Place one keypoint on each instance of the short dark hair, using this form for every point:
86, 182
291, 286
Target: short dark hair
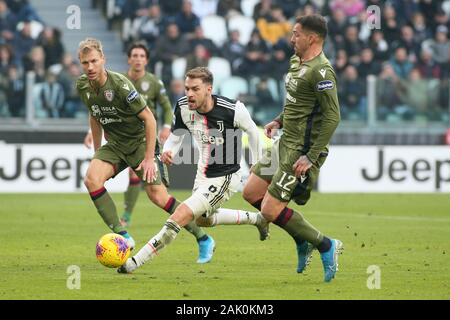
138, 45
202, 73
314, 23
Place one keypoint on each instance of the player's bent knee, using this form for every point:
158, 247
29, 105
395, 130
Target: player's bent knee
93, 183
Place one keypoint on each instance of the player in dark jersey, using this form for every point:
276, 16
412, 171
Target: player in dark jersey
216, 124
290, 169
130, 129
153, 91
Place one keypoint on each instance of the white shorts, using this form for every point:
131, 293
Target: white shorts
209, 194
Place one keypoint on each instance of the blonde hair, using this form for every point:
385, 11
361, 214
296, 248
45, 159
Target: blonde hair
89, 44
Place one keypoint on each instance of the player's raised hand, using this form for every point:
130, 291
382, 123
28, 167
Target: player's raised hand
148, 168
167, 157
270, 129
301, 166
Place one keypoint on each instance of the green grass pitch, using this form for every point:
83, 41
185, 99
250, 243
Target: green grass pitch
405, 235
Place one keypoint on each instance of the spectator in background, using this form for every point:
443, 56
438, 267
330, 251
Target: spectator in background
440, 45
275, 27
379, 46
390, 24
203, 8
368, 65
170, 47
8, 22
257, 56
233, 51
281, 53
23, 42
387, 92
420, 28
51, 96
427, 67
199, 38
341, 62
229, 8
186, 20
400, 63
15, 93
50, 41
418, 96
199, 57
337, 26
408, 41
150, 26
72, 103
172, 7
262, 10
6, 58
352, 44
35, 61
352, 92
24, 11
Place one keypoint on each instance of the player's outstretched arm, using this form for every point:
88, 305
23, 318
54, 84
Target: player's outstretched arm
148, 164
244, 121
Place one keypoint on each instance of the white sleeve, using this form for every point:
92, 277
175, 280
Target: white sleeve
173, 143
244, 121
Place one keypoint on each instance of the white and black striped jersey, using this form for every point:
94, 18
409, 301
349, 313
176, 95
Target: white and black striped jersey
217, 134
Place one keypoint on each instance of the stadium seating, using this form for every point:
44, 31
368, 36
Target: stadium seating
234, 86
214, 28
220, 68
244, 25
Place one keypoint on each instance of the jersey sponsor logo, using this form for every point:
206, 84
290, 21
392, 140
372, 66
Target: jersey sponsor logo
109, 95
105, 121
132, 96
220, 125
323, 72
210, 139
145, 85
325, 85
108, 110
96, 110
290, 98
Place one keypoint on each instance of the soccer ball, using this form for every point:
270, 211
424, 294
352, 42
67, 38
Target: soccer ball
112, 250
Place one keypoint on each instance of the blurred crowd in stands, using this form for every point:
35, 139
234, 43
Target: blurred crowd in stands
247, 45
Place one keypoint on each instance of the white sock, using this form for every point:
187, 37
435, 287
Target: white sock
167, 234
232, 216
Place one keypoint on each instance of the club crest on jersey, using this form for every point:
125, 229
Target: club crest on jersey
325, 85
145, 85
220, 125
109, 95
132, 96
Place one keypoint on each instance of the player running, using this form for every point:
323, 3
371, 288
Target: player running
290, 169
215, 123
130, 129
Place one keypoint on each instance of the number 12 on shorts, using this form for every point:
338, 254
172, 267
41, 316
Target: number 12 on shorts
285, 185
